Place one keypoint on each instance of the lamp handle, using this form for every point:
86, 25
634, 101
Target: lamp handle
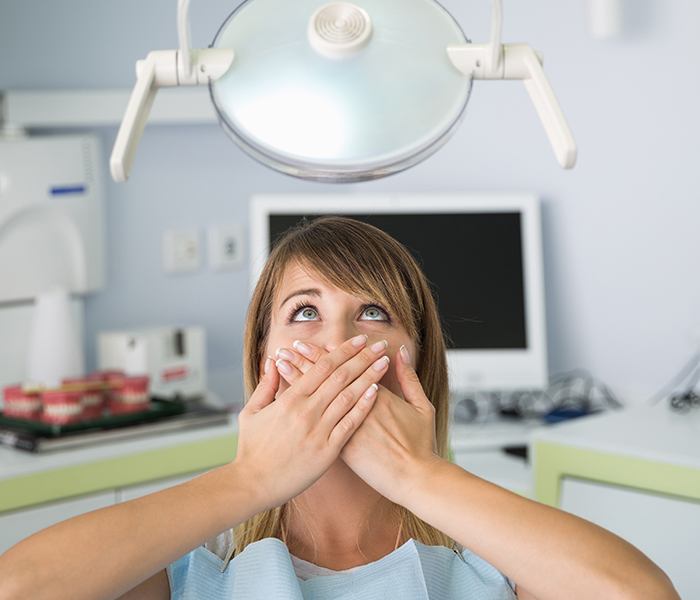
521, 62
134, 121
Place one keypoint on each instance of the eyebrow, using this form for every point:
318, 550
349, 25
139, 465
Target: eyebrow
307, 292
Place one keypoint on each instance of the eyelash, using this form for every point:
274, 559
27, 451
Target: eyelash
297, 307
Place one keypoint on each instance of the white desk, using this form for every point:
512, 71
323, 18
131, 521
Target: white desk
478, 448
635, 472
37, 490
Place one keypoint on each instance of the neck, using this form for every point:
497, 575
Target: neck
343, 519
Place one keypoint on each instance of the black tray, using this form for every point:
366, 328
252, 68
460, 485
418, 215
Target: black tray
158, 408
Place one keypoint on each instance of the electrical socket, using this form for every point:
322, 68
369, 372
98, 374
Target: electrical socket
181, 251
226, 246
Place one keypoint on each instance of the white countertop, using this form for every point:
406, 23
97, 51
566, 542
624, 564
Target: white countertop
15, 463
476, 447
651, 432
492, 435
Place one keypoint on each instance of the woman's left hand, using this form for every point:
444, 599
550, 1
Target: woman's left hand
396, 440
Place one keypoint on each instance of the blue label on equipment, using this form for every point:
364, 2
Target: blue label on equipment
62, 190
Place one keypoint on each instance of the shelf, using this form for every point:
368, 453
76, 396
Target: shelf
94, 108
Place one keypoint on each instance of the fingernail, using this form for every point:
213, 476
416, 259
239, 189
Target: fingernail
284, 353
284, 367
381, 364
405, 356
268, 362
359, 341
370, 393
301, 348
379, 346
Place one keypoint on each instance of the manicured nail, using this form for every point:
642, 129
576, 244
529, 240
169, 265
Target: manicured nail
268, 363
284, 367
379, 346
284, 353
381, 364
359, 341
372, 391
301, 348
405, 356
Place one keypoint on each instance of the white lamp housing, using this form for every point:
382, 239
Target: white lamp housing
604, 18
294, 127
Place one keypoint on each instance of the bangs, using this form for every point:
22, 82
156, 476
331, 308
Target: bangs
365, 263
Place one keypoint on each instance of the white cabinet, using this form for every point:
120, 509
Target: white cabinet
635, 472
39, 490
510, 472
16, 526
664, 527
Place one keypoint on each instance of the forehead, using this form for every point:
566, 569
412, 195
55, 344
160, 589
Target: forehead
297, 277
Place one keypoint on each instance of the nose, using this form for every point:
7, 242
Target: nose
336, 335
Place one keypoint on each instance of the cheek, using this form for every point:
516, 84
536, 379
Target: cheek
390, 381
277, 339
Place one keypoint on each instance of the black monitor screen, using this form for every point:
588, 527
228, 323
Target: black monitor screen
474, 264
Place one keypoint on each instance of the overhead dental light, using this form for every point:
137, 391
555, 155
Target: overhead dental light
339, 91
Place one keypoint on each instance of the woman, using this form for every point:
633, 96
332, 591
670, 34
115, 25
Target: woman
341, 466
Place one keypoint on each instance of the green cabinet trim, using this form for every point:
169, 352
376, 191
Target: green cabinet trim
554, 461
133, 469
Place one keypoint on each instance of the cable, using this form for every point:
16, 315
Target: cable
688, 369
571, 393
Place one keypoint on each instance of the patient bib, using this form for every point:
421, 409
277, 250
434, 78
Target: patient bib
264, 571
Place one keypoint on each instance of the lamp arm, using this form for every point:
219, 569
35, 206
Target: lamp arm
183, 32
517, 61
520, 61
496, 49
163, 68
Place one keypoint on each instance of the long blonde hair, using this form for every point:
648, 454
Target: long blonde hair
361, 260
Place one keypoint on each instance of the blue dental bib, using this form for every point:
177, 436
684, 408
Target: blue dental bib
264, 571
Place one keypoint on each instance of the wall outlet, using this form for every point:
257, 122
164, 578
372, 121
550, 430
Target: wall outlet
181, 253
226, 247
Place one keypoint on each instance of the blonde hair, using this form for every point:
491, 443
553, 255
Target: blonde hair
364, 261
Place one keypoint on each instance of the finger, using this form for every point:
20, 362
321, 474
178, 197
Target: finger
351, 395
298, 360
343, 376
327, 365
349, 423
266, 389
288, 371
308, 350
407, 377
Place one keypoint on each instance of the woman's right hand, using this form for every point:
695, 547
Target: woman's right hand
286, 443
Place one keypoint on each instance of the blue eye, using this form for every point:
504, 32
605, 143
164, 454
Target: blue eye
307, 313
374, 313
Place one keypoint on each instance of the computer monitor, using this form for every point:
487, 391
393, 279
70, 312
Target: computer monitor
482, 254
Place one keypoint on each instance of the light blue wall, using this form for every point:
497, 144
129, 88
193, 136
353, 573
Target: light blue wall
621, 234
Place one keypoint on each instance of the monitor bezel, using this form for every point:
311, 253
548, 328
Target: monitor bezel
469, 369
